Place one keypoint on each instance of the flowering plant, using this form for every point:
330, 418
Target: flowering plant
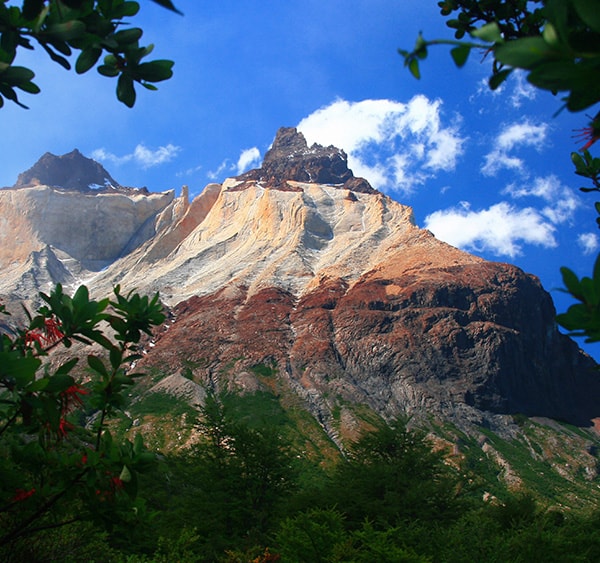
59, 463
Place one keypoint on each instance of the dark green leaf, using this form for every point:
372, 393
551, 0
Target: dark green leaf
561, 75
21, 369
489, 33
66, 31
589, 12
29, 87
167, 4
87, 59
460, 55
571, 282
67, 366
32, 8
9, 42
56, 57
155, 71
106, 70
8, 92
525, 53
581, 99
499, 77
125, 90
16, 74
413, 66
128, 36
116, 357
59, 382
97, 365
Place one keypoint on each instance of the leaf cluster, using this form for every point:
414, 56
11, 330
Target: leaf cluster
58, 461
89, 28
558, 44
583, 318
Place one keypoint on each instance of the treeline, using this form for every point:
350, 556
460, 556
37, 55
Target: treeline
247, 493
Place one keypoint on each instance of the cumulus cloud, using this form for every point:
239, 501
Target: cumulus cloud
395, 146
588, 242
141, 155
562, 201
500, 229
250, 158
513, 136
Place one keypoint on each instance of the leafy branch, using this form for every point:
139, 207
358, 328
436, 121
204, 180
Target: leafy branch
91, 28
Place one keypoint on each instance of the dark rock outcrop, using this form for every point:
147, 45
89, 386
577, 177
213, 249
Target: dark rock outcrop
71, 171
290, 158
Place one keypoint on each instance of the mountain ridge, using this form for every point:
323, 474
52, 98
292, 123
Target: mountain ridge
331, 286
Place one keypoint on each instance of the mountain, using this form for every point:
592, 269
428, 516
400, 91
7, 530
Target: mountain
71, 171
300, 276
59, 226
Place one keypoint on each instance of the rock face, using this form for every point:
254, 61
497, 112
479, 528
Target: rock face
65, 230
290, 158
299, 274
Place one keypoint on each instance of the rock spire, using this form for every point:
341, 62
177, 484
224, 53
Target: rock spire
290, 158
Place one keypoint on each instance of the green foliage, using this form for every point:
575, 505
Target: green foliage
392, 499
87, 27
55, 468
558, 45
391, 475
160, 404
583, 318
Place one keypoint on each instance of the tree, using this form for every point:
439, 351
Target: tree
557, 43
241, 471
392, 475
59, 463
87, 27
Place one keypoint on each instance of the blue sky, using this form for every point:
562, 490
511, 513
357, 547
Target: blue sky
488, 172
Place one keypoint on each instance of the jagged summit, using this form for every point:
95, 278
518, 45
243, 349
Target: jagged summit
71, 171
290, 158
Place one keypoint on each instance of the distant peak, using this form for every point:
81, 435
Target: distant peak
71, 171
290, 158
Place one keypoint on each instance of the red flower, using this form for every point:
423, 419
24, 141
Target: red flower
64, 427
116, 483
70, 398
591, 133
22, 494
52, 328
32, 336
47, 336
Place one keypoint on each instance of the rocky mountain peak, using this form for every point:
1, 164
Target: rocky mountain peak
290, 158
71, 171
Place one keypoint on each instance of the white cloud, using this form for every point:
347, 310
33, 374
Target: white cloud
189, 171
522, 90
511, 137
145, 157
501, 229
562, 200
395, 146
248, 159
514, 91
588, 242
216, 174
